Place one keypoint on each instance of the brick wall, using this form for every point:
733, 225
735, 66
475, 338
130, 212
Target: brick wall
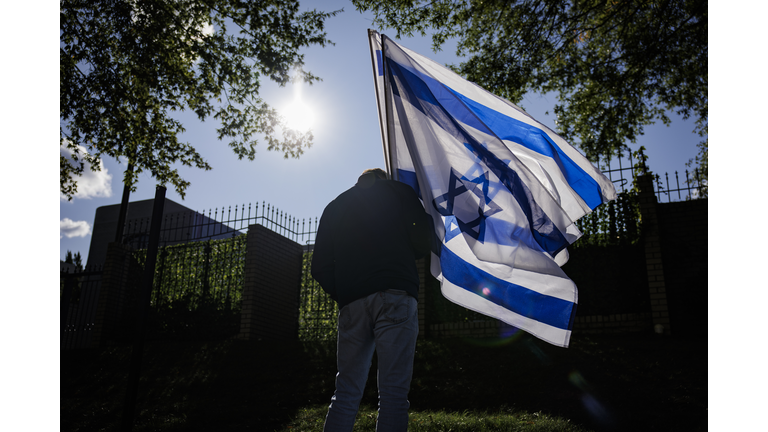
683, 233
610, 279
653, 257
614, 323
676, 242
270, 302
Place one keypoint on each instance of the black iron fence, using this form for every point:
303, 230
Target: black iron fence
692, 187
618, 222
79, 296
623, 172
226, 222
199, 277
197, 290
318, 313
201, 264
200, 269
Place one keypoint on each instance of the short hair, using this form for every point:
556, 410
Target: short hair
380, 173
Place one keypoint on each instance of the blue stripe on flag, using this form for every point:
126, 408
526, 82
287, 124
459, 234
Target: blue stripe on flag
546, 234
518, 299
533, 138
378, 63
409, 178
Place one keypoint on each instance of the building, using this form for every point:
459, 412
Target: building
180, 225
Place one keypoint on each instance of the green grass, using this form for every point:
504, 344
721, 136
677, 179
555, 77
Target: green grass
310, 419
601, 383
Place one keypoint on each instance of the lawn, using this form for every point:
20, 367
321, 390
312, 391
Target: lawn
601, 383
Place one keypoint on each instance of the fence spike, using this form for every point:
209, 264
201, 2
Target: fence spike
659, 186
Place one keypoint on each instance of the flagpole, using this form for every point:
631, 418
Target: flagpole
388, 109
382, 118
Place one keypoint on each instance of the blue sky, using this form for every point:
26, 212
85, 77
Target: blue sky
347, 141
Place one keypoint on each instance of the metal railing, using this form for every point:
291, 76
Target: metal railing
692, 187
318, 313
221, 223
622, 182
200, 269
623, 175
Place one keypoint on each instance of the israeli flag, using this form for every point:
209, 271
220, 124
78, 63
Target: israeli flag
503, 190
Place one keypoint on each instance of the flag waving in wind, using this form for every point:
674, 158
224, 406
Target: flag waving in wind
503, 190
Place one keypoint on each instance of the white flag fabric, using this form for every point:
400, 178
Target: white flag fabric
503, 190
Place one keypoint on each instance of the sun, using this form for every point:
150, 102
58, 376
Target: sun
299, 116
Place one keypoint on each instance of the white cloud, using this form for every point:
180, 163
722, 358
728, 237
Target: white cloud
91, 184
69, 228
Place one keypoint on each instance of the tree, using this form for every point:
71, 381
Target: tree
701, 167
75, 260
127, 65
616, 65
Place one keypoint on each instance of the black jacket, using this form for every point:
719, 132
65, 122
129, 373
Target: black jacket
369, 239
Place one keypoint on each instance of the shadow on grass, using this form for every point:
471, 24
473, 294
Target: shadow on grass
623, 383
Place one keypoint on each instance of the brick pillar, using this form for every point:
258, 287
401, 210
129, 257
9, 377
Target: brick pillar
270, 303
115, 284
653, 261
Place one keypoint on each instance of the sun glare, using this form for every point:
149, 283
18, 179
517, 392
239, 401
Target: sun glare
298, 115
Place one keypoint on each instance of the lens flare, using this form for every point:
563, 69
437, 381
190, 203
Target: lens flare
594, 407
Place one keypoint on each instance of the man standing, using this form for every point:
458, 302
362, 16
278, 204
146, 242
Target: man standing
365, 257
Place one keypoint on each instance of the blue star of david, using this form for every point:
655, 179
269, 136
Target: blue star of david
466, 205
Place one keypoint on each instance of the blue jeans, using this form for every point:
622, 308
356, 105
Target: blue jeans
388, 322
